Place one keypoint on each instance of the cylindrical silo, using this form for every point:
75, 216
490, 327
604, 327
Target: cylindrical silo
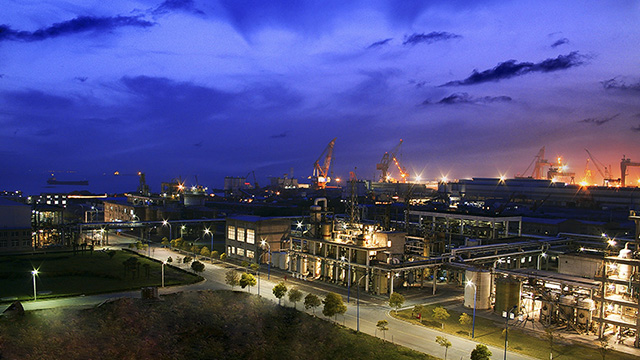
508, 295
478, 285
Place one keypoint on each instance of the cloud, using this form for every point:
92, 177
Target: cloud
511, 68
464, 98
560, 42
172, 5
78, 25
38, 100
599, 121
81, 78
615, 84
635, 128
379, 43
279, 136
429, 38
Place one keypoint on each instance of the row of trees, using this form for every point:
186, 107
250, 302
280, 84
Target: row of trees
179, 243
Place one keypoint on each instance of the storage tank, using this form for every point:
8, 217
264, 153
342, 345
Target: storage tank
508, 294
481, 280
584, 312
624, 270
567, 304
326, 229
546, 310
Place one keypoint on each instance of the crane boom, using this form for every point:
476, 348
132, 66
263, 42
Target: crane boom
321, 173
383, 165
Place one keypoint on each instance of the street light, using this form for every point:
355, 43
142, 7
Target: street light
206, 232
167, 223
358, 305
34, 273
475, 296
163, 264
506, 329
263, 242
349, 275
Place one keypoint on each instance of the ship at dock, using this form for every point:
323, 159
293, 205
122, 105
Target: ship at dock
53, 181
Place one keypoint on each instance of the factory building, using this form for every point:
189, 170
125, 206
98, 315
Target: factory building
15, 226
255, 239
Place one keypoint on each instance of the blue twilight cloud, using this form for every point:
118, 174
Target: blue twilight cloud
429, 38
171, 5
599, 121
511, 68
615, 84
464, 98
73, 26
560, 42
379, 43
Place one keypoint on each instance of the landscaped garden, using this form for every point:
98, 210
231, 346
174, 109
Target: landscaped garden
490, 332
82, 272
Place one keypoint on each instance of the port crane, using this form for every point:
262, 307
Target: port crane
321, 172
624, 164
607, 180
539, 162
384, 164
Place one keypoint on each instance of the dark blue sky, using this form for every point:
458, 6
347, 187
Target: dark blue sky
222, 88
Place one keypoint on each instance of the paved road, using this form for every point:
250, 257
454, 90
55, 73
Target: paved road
372, 308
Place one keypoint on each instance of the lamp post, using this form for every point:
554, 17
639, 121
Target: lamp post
349, 275
475, 296
163, 264
33, 275
167, 223
207, 231
506, 330
358, 305
263, 242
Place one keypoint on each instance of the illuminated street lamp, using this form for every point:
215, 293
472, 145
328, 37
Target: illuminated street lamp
358, 305
167, 223
34, 273
349, 275
163, 264
206, 232
263, 242
475, 294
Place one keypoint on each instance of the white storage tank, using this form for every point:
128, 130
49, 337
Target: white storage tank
624, 270
481, 285
567, 306
584, 313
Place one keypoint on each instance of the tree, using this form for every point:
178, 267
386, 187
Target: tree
232, 278
205, 251
312, 301
187, 259
396, 300
244, 263
279, 291
215, 254
255, 267
465, 320
165, 241
333, 305
197, 266
247, 280
418, 309
295, 295
382, 326
441, 314
481, 352
195, 249
443, 341
169, 259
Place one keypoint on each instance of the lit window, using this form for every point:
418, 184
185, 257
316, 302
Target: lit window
240, 234
250, 254
231, 232
240, 252
251, 236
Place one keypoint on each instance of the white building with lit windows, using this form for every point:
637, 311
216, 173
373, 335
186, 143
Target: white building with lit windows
251, 237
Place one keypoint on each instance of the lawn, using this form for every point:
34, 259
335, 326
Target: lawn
69, 273
189, 325
491, 333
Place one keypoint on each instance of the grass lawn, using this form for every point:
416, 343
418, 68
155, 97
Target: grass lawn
187, 326
491, 333
66, 274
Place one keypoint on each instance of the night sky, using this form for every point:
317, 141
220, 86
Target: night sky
222, 88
